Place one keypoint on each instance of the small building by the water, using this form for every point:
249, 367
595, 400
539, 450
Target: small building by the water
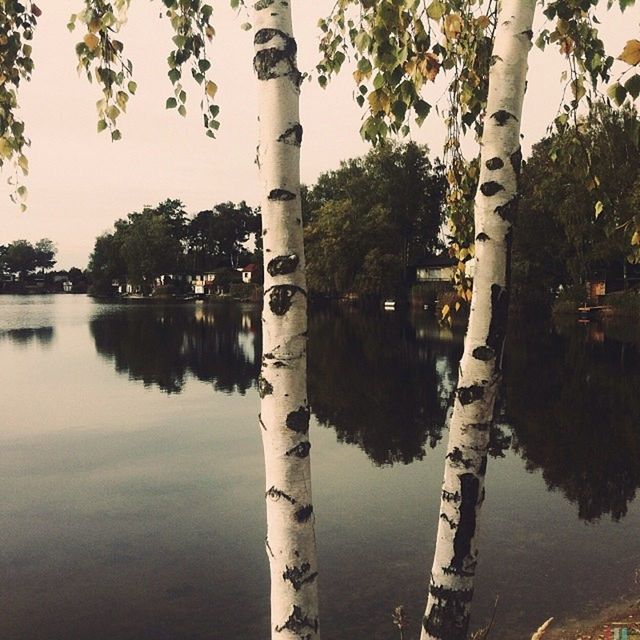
435, 269
615, 277
249, 273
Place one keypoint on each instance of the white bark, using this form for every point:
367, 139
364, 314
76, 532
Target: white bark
284, 417
451, 583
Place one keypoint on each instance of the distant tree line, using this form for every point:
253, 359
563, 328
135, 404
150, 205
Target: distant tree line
366, 224
370, 220
21, 259
163, 240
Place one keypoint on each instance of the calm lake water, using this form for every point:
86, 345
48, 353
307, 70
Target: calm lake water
133, 496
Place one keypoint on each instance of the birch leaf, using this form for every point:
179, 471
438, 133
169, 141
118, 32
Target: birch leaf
211, 88
5, 148
379, 101
436, 10
23, 163
92, 41
631, 53
452, 26
599, 208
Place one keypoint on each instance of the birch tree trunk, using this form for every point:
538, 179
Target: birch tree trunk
284, 417
451, 582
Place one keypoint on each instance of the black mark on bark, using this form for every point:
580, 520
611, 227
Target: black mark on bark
293, 135
281, 297
276, 494
298, 576
482, 237
303, 513
298, 623
502, 117
282, 265
528, 33
281, 195
449, 616
457, 459
300, 450
263, 4
494, 164
499, 313
516, 161
447, 496
298, 420
484, 353
275, 62
469, 491
470, 394
265, 388
482, 471
448, 520
491, 188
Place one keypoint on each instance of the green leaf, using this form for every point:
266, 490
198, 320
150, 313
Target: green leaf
246, 26
362, 41
113, 112
132, 86
422, 110
632, 85
172, 103
617, 93
436, 10
102, 125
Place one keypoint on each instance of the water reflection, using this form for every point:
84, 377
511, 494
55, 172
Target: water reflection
163, 345
573, 403
381, 383
26, 335
150, 504
385, 382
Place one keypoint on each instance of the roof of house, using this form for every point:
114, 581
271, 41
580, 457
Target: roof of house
250, 267
441, 260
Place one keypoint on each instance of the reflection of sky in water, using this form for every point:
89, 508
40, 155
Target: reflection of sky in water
131, 513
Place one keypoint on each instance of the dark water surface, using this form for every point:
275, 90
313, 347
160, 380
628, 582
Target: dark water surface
132, 502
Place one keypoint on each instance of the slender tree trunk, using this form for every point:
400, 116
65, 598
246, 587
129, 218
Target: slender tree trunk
451, 583
284, 415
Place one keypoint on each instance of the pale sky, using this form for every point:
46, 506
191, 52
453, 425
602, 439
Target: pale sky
80, 182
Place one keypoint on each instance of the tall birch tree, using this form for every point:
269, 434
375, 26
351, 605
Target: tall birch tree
283, 383
451, 583
284, 416
399, 46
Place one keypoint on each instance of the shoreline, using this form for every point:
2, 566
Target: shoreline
623, 613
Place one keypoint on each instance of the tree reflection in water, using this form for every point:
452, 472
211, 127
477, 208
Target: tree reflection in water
573, 404
163, 345
384, 382
381, 382
42, 335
